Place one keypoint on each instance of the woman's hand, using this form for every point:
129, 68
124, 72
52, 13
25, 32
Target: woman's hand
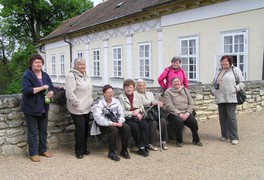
119, 124
50, 94
136, 112
184, 116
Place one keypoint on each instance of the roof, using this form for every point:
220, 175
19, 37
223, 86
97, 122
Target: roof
111, 11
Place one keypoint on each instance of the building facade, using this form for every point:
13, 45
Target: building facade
140, 43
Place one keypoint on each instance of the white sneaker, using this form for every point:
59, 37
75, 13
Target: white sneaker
234, 142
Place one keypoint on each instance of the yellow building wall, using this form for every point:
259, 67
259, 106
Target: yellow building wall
210, 41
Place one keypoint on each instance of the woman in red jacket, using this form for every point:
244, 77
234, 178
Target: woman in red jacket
172, 71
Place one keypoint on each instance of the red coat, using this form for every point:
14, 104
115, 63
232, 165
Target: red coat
170, 73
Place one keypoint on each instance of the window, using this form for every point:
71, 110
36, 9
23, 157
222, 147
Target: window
144, 60
189, 56
62, 61
96, 63
117, 61
53, 65
234, 44
80, 55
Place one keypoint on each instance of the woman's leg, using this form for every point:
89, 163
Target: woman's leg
223, 120
32, 134
178, 124
135, 131
112, 133
43, 127
231, 121
191, 123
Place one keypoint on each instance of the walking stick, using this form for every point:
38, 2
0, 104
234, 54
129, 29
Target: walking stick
159, 122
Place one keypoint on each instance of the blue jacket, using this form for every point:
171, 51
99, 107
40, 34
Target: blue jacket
31, 103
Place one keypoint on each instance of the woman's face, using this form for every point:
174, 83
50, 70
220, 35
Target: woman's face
37, 65
175, 65
129, 89
80, 66
108, 94
176, 83
225, 64
141, 87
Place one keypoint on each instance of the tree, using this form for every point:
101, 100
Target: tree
23, 23
29, 20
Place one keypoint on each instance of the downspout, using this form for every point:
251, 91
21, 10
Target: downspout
40, 49
263, 66
64, 38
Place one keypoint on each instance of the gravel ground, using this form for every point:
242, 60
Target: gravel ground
215, 160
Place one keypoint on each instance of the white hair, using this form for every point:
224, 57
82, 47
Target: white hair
77, 60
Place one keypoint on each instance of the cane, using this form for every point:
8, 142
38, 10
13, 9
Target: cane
159, 122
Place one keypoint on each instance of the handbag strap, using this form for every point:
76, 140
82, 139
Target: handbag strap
236, 78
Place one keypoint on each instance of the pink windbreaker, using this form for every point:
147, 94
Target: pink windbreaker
172, 73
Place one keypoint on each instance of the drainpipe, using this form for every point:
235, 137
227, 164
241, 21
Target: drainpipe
64, 37
263, 66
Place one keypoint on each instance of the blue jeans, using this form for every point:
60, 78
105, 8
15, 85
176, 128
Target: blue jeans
37, 134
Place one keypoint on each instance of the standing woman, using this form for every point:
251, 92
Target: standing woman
172, 71
79, 100
225, 88
35, 85
134, 115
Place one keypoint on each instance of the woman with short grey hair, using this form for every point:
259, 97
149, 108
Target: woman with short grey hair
79, 101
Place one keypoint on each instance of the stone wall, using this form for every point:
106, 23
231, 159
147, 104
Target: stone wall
13, 131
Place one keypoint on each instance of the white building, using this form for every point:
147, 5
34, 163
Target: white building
122, 39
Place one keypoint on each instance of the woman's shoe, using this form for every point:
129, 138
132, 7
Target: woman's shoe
152, 148
179, 144
79, 156
164, 146
86, 152
234, 142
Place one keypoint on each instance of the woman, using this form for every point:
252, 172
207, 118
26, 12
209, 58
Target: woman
149, 101
172, 71
179, 105
109, 116
36, 84
79, 100
134, 115
227, 82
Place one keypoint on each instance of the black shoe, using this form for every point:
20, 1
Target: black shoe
113, 156
198, 143
124, 154
79, 156
86, 152
142, 152
179, 144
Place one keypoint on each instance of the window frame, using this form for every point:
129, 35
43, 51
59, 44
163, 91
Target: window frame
144, 59
53, 65
96, 63
240, 59
62, 64
117, 73
190, 68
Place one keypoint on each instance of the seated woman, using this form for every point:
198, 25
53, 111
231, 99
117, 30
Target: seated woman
109, 116
180, 104
148, 102
134, 115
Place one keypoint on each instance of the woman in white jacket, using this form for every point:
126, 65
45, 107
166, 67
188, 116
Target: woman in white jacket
109, 116
79, 100
227, 81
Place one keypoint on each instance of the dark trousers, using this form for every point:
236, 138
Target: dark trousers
153, 125
177, 123
112, 132
228, 122
139, 131
81, 133
37, 133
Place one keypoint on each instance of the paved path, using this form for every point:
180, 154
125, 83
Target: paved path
215, 160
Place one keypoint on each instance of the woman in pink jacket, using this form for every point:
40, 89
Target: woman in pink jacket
172, 71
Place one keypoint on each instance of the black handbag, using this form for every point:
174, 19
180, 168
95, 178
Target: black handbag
241, 96
153, 113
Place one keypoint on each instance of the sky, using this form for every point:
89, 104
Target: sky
96, 2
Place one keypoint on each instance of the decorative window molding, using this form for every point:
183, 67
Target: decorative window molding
144, 60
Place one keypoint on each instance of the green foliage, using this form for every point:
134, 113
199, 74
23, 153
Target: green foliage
29, 20
17, 66
22, 24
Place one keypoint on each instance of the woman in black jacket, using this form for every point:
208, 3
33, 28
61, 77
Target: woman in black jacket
36, 89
